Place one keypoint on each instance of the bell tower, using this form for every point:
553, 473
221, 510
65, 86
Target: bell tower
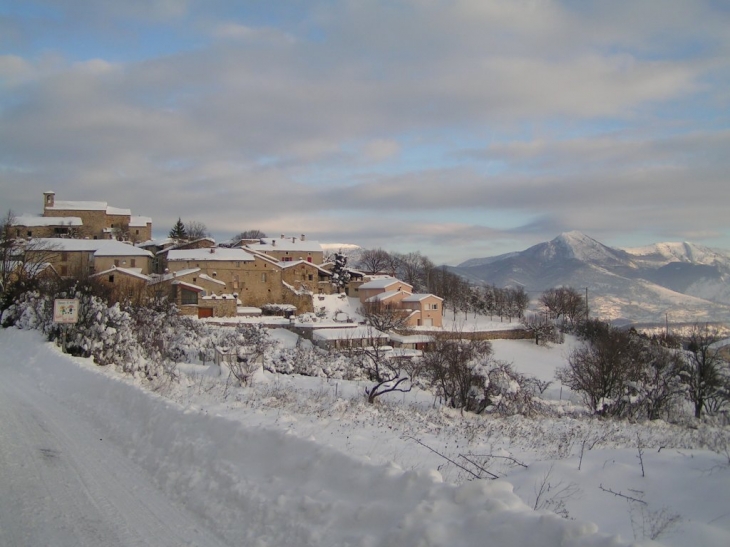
49, 200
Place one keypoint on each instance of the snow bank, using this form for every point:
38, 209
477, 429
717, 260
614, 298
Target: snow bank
266, 488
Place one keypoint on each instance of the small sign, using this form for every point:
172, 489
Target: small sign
65, 310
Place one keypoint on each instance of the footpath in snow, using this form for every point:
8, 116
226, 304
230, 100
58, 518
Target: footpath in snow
241, 485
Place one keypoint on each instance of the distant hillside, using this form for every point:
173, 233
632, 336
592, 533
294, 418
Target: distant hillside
683, 281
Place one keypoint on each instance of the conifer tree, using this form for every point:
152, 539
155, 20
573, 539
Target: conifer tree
178, 231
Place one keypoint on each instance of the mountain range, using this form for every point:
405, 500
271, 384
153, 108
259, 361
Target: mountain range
678, 282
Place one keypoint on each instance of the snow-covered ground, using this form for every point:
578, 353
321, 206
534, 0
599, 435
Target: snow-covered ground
305, 461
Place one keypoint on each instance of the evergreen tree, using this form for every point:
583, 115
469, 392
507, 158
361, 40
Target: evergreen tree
340, 273
178, 231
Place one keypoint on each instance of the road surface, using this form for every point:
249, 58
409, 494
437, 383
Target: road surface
62, 485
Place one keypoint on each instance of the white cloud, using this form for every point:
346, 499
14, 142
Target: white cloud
578, 115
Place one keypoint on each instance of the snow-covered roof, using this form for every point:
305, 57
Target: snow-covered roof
118, 211
284, 265
78, 206
133, 272
140, 221
175, 275
100, 247
382, 283
383, 296
188, 286
286, 244
219, 297
88, 206
347, 333
37, 220
419, 296
410, 338
155, 242
219, 254
211, 279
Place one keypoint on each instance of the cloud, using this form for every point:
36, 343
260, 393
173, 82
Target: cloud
378, 119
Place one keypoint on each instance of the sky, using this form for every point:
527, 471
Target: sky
459, 128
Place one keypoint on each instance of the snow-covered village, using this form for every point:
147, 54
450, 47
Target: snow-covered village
274, 391
445, 273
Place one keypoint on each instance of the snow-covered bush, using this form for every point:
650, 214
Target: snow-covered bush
104, 333
312, 361
463, 373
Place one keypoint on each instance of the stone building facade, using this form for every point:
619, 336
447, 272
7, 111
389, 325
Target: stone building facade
98, 219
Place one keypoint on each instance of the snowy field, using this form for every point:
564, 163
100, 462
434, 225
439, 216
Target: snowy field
297, 461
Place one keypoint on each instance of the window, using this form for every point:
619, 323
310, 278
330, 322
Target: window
64, 270
116, 262
111, 279
311, 277
432, 307
263, 277
188, 297
136, 232
133, 262
30, 234
64, 256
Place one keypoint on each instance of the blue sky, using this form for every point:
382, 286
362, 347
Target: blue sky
460, 129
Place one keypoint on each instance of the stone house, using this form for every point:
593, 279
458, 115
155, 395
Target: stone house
289, 249
35, 226
84, 257
98, 220
255, 277
161, 251
306, 276
125, 284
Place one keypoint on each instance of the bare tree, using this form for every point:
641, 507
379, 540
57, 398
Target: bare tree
374, 261
249, 234
248, 345
384, 316
454, 367
705, 372
602, 370
564, 302
414, 269
196, 230
121, 232
21, 261
386, 372
541, 327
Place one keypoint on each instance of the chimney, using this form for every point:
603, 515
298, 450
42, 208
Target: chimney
302, 238
273, 243
282, 236
293, 239
212, 250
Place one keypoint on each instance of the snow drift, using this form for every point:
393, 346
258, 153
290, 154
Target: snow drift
260, 487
